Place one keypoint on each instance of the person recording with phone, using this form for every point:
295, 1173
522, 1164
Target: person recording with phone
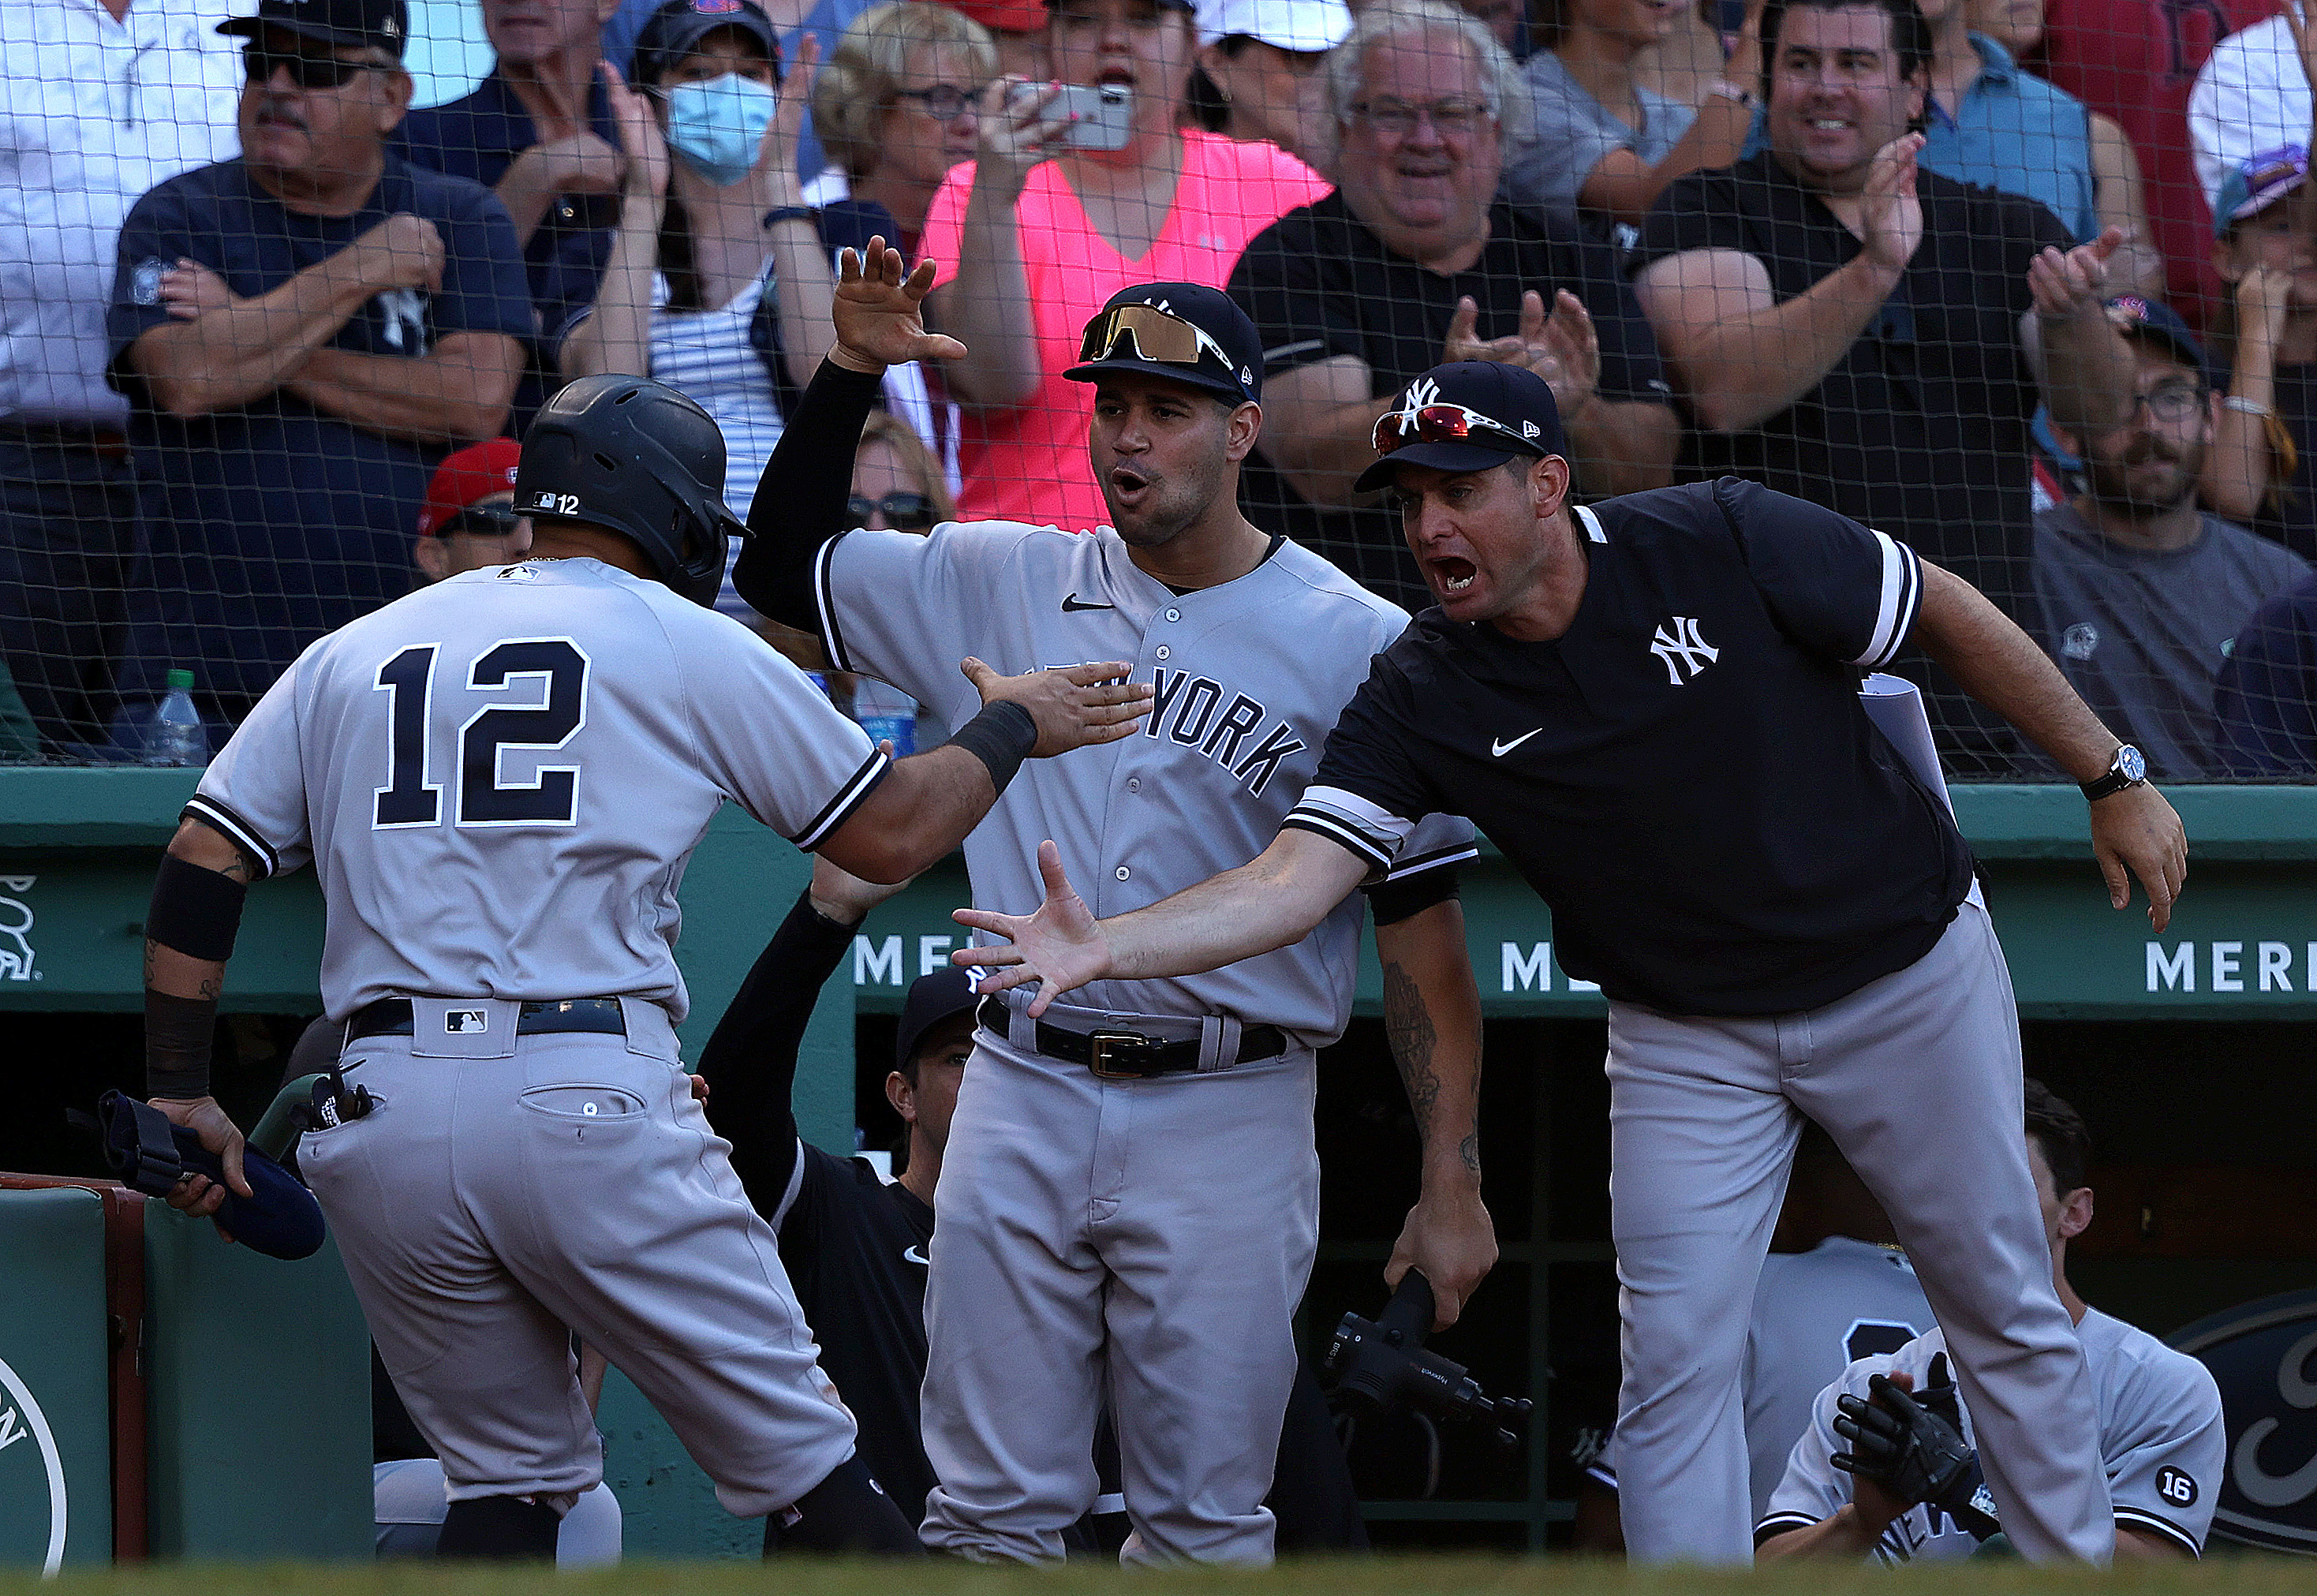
1053, 216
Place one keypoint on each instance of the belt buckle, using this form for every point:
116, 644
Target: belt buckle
1110, 1054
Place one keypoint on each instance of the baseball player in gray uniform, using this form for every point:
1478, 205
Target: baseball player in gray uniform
498, 780
1129, 1200
1848, 1492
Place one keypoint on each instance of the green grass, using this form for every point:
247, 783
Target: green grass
1376, 1577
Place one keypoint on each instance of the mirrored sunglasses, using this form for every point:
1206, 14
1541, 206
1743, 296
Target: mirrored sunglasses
1447, 424
1158, 337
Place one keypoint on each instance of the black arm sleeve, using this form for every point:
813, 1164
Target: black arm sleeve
1391, 901
750, 1060
799, 503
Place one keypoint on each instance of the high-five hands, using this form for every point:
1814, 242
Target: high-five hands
879, 309
1060, 948
1073, 705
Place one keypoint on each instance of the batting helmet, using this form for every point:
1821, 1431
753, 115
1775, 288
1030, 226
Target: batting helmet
641, 459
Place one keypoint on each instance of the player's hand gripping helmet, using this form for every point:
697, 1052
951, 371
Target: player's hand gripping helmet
641, 459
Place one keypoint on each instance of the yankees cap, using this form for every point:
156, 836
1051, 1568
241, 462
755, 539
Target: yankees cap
1183, 331
1468, 416
382, 25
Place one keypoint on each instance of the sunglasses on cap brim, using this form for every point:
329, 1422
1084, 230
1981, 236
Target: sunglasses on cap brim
481, 520
1159, 338
1447, 424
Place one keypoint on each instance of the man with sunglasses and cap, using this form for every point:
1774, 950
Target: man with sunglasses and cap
1652, 705
469, 521
303, 333
1129, 1202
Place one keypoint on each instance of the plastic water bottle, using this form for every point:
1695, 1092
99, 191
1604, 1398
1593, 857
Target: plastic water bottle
886, 714
175, 735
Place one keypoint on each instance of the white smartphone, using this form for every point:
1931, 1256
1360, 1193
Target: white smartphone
1106, 113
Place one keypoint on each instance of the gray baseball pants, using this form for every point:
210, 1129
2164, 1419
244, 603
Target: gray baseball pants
1917, 1078
1145, 1241
510, 1187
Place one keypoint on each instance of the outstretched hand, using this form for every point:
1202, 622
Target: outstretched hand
2137, 832
1060, 948
1073, 705
879, 309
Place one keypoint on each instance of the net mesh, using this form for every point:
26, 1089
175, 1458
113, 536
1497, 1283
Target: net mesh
2065, 345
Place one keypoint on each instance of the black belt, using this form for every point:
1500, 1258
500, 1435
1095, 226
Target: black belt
390, 1017
1129, 1056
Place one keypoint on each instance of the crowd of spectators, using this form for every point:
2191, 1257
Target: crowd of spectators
2029, 284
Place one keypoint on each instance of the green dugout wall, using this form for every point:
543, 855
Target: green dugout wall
2188, 1049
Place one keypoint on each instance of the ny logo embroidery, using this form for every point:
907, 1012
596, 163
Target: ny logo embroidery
1684, 646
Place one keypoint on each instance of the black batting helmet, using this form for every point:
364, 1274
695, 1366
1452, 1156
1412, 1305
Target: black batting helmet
638, 457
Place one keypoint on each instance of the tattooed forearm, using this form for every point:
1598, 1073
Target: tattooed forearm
1408, 1027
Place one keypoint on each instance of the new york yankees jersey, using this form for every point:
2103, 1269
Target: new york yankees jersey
1250, 677
500, 779
1685, 775
2162, 1442
1815, 1313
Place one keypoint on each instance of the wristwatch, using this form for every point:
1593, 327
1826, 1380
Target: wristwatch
2127, 769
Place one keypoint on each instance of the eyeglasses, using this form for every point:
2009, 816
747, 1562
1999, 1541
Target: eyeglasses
481, 520
903, 512
307, 72
1399, 117
1158, 335
2174, 401
1446, 424
944, 102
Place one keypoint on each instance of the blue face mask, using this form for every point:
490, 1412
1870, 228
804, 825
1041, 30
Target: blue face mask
718, 126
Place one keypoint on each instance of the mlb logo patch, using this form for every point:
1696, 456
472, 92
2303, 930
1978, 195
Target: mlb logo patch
715, 7
466, 1022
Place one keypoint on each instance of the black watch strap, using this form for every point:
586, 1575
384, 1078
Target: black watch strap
2127, 769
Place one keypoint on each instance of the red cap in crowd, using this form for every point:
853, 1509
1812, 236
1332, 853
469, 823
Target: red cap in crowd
474, 473
1007, 16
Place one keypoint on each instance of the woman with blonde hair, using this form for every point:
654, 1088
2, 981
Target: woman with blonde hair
895, 107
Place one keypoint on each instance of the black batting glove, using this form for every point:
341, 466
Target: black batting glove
1914, 1449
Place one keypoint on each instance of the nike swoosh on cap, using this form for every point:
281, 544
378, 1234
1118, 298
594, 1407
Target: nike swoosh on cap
917, 1255
1499, 749
1074, 603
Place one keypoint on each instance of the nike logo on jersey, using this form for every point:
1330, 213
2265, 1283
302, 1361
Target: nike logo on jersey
1072, 605
1192, 710
917, 1255
1499, 749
